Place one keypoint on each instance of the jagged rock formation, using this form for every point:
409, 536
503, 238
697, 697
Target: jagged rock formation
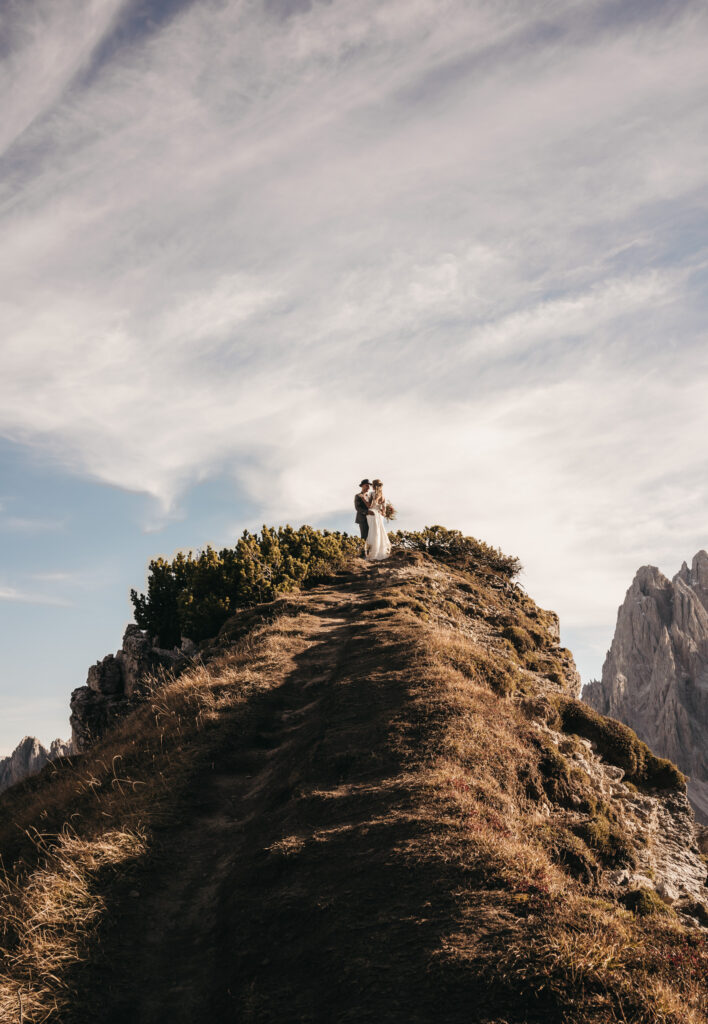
28, 758
114, 685
655, 675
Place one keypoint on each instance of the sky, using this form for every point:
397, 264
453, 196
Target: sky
253, 250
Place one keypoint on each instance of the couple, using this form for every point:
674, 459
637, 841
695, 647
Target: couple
370, 506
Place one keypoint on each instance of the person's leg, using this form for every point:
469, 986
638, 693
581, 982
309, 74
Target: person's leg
364, 527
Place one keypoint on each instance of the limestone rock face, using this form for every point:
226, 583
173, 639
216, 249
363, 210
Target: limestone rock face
115, 683
91, 714
655, 676
105, 676
28, 758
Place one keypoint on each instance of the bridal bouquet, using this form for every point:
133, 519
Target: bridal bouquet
389, 511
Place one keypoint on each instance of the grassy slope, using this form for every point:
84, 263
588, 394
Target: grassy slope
337, 818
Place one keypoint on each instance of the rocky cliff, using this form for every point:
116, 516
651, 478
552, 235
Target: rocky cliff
28, 758
655, 675
114, 685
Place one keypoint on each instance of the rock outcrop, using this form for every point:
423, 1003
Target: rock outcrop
116, 683
28, 758
667, 841
655, 675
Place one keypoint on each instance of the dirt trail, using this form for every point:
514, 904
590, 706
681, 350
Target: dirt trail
187, 921
280, 834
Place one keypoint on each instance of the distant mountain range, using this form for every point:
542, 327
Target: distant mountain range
28, 758
655, 676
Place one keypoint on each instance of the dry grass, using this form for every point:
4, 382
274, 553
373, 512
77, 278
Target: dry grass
99, 814
51, 913
600, 965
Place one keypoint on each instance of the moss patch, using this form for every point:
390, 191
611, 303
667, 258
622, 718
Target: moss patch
608, 840
646, 903
619, 745
520, 638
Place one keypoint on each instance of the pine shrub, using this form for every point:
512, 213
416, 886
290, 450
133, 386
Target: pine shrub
194, 594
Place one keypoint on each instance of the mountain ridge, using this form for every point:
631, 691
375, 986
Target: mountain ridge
378, 798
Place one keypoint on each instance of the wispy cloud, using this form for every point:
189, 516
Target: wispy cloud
14, 594
22, 524
45, 45
13, 523
55, 577
460, 244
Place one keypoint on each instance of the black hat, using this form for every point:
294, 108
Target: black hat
367, 482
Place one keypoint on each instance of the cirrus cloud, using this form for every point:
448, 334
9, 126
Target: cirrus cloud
458, 243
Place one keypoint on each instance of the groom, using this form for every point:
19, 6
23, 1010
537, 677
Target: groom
362, 507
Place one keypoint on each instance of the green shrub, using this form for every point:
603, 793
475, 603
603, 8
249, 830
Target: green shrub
453, 547
193, 595
618, 744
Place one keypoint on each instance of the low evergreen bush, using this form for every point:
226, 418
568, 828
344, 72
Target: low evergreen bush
452, 547
193, 595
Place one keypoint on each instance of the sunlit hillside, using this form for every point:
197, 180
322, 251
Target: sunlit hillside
373, 797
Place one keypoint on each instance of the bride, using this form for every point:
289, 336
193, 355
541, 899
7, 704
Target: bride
378, 545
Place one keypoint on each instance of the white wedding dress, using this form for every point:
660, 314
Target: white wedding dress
378, 545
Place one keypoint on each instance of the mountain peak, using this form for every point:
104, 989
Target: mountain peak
652, 678
650, 575
28, 758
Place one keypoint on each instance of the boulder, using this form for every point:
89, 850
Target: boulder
91, 714
106, 676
